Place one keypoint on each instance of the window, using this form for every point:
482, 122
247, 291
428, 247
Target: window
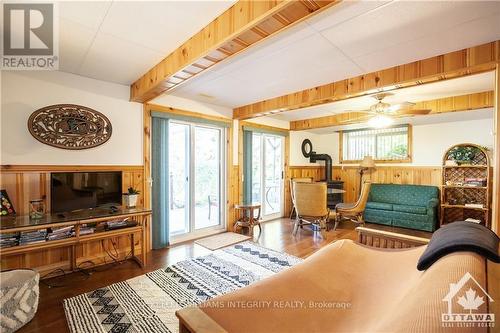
386, 144
196, 174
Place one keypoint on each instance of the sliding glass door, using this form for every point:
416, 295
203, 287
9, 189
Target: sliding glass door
178, 169
267, 173
196, 183
207, 177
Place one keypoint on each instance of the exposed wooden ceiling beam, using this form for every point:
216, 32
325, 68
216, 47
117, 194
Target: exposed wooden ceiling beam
446, 66
442, 105
241, 26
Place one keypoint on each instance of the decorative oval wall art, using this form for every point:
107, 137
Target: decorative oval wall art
69, 126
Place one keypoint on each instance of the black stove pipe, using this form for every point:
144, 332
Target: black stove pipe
313, 158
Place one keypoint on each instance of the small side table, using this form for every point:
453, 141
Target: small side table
248, 218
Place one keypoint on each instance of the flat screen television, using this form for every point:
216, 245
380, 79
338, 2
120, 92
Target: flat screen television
72, 191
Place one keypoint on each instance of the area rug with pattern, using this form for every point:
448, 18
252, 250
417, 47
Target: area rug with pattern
147, 303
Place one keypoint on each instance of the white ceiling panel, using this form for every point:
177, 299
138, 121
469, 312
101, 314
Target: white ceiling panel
295, 60
89, 14
160, 25
343, 12
403, 21
223, 91
108, 53
74, 41
474, 32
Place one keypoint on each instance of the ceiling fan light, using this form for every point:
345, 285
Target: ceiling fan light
380, 121
380, 107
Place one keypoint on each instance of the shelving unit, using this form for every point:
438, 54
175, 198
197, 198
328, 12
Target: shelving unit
137, 234
455, 194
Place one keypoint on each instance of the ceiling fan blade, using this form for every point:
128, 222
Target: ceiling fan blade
360, 111
412, 112
399, 106
395, 108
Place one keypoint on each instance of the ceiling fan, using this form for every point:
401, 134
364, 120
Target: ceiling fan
383, 114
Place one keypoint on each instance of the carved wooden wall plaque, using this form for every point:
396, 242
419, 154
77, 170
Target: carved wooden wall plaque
69, 126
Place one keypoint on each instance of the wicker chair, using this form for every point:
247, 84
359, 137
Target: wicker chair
353, 211
297, 180
310, 201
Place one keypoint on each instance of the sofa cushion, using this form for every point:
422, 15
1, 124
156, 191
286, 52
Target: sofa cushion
379, 205
378, 216
415, 195
410, 209
412, 224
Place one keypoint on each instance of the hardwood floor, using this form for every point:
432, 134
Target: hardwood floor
275, 235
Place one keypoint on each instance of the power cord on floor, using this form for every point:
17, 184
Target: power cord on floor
60, 270
88, 271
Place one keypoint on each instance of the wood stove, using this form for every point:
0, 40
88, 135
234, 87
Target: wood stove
332, 198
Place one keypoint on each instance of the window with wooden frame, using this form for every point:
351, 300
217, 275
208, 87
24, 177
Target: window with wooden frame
384, 145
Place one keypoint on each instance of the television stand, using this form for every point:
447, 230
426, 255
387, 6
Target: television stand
97, 217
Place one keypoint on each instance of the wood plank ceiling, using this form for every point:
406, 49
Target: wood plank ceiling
241, 26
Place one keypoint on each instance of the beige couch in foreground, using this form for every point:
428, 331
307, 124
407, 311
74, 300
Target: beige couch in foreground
348, 287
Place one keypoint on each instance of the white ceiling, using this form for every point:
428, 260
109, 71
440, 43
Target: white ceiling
118, 41
455, 87
344, 41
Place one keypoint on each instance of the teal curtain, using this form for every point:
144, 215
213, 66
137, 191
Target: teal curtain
247, 166
159, 171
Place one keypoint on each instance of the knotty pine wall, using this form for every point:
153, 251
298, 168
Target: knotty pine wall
27, 182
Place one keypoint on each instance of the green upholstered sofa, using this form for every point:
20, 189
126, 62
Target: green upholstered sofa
407, 206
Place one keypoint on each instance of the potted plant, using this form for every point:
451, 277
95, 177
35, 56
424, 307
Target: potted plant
463, 154
130, 198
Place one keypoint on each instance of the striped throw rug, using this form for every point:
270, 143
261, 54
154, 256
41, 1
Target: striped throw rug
148, 302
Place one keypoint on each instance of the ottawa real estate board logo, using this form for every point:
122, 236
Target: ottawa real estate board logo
467, 305
30, 38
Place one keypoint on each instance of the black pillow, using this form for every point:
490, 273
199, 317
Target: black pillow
460, 236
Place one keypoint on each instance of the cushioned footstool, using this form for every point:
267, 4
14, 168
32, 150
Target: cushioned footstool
18, 298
